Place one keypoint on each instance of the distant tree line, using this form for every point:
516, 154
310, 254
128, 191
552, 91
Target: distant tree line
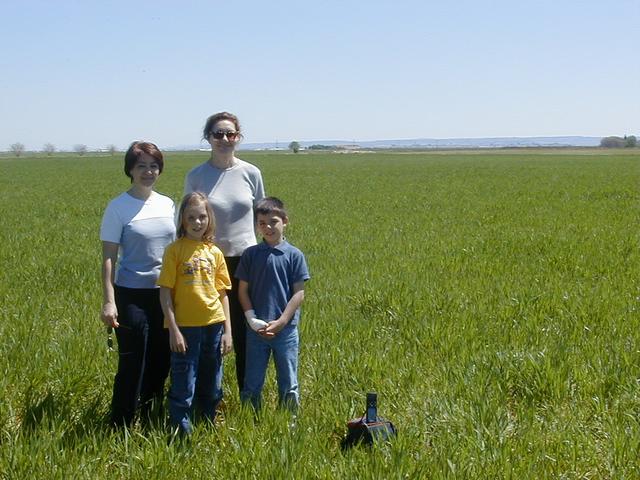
321, 147
619, 142
49, 149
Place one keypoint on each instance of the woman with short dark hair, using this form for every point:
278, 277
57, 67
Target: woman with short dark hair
136, 227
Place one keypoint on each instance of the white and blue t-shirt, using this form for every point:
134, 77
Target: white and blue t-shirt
232, 192
142, 228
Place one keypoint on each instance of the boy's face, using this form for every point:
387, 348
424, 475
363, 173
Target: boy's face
271, 227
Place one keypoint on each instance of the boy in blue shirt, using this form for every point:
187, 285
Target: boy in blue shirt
271, 289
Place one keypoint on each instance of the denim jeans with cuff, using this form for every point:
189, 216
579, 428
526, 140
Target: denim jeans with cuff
284, 346
196, 376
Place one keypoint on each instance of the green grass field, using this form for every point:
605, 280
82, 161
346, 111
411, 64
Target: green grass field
492, 299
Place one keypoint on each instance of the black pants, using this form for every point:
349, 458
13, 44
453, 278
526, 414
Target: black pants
238, 324
143, 354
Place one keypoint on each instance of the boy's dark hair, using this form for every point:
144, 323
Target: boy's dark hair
271, 206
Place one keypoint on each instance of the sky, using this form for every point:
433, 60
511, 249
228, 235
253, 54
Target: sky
110, 72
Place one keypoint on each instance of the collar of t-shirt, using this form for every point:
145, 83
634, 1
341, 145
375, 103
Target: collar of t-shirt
282, 246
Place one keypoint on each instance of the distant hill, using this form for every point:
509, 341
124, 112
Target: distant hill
425, 143
491, 142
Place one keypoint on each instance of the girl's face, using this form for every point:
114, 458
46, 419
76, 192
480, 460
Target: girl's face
145, 171
195, 221
224, 136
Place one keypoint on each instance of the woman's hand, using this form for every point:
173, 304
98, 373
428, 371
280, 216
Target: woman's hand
177, 343
226, 343
109, 315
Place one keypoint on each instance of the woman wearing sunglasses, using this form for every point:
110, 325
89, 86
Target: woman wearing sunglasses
233, 187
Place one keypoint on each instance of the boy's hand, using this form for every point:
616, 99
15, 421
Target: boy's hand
177, 343
226, 344
257, 324
263, 333
273, 328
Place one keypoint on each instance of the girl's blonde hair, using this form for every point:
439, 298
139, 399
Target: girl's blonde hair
195, 198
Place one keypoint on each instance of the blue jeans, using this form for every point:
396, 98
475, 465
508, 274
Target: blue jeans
196, 376
285, 347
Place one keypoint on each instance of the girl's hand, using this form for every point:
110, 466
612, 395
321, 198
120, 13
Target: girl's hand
226, 343
109, 315
177, 343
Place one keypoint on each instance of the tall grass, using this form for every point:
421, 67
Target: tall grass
492, 301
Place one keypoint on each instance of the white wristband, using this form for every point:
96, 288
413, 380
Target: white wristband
257, 324
249, 314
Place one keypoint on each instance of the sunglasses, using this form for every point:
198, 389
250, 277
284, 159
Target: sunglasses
219, 135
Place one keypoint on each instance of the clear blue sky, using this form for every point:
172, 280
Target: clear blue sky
114, 71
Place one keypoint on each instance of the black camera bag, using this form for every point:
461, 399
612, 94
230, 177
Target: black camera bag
359, 431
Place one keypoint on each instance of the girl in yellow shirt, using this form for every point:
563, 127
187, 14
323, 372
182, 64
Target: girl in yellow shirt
193, 293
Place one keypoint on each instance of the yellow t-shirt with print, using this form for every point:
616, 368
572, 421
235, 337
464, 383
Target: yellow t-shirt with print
196, 272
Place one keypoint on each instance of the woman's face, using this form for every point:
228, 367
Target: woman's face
145, 171
224, 136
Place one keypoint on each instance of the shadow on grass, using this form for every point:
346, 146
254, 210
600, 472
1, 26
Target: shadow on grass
75, 413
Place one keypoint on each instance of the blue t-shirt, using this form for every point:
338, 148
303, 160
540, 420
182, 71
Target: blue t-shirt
271, 273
